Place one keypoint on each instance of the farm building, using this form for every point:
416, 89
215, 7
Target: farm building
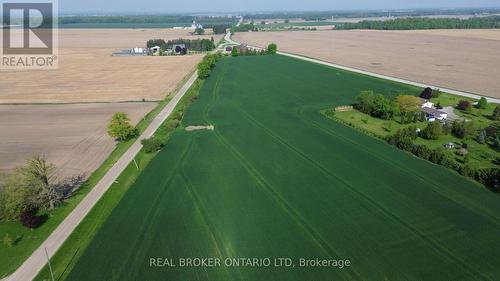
427, 103
242, 49
155, 50
196, 25
179, 49
433, 114
131, 52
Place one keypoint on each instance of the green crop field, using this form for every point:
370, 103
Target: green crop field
278, 179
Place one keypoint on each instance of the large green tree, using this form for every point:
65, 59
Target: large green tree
199, 31
120, 128
408, 107
17, 197
496, 114
234, 52
482, 103
432, 131
272, 49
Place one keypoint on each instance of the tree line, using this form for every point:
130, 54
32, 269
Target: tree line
324, 15
426, 23
405, 139
245, 27
242, 50
219, 29
207, 64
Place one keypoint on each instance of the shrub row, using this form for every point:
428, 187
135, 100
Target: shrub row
207, 64
404, 138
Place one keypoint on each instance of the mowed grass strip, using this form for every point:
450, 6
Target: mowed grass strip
65, 258
29, 240
278, 179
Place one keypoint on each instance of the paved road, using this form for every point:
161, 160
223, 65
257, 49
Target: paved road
240, 21
30, 268
451, 91
228, 39
228, 43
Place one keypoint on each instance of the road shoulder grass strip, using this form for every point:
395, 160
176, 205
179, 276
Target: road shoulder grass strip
72, 249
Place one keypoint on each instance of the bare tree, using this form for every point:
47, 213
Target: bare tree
39, 175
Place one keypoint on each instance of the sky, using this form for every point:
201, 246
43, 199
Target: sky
193, 6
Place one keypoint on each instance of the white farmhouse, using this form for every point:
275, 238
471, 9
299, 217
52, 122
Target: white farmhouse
155, 50
432, 114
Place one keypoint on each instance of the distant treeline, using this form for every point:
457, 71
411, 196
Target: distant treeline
245, 27
207, 21
426, 23
220, 28
325, 15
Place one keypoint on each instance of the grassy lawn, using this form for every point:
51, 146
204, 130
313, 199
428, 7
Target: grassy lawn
72, 249
480, 117
29, 240
481, 155
278, 179
378, 127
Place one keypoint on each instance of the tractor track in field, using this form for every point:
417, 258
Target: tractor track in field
434, 244
210, 228
148, 219
377, 155
267, 187
278, 173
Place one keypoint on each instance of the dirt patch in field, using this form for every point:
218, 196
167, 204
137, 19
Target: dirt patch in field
197, 128
464, 60
72, 136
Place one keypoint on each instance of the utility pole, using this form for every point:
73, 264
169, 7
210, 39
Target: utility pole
50, 266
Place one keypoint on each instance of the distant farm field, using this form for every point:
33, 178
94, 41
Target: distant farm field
278, 179
465, 60
73, 136
88, 73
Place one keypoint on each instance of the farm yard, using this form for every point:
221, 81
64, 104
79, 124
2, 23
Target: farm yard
457, 59
275, 178
88, 73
